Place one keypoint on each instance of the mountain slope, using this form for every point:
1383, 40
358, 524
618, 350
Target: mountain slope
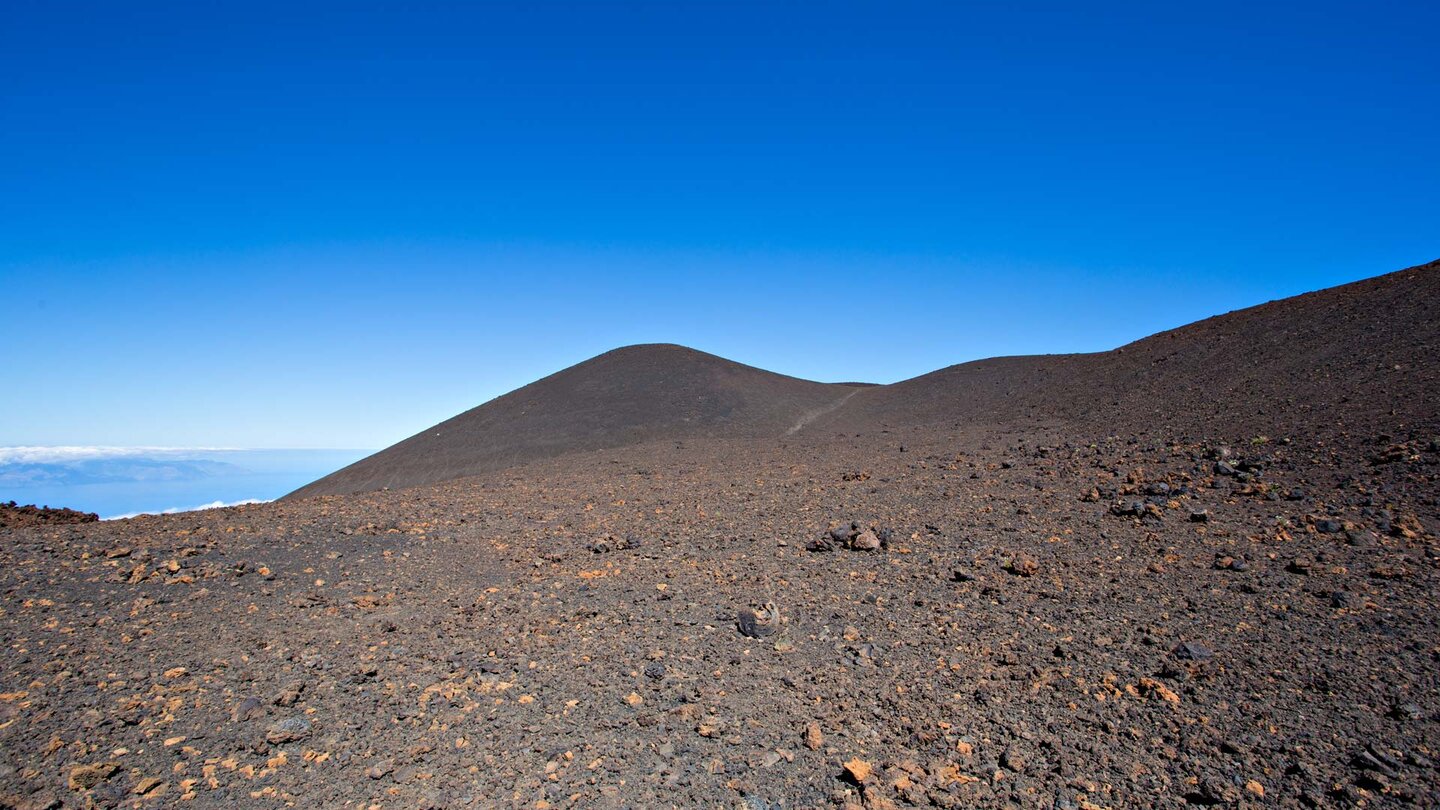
1361, 357
627, 396
1357, 355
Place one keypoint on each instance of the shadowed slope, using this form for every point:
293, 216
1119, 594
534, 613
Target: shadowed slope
623, 397
1359, 355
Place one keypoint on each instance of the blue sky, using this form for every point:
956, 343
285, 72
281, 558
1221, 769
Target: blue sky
331, 225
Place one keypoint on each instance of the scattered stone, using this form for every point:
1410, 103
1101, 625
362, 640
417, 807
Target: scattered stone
852, 537
1128, 508
288, 730
760, 624
290, 694
1224, 562
149, 787
820, 544
610, 543
1153, 687
85, 777
248, 709
1216, 791
858, 770
380, 769
1022, 565
814, 737
1192, 651
1368, 760
865, 541
1407, 711
1407, 527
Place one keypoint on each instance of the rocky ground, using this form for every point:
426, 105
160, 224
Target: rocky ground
14, 515
1012, 617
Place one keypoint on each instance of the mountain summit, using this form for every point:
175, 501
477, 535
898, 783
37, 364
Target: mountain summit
626, 396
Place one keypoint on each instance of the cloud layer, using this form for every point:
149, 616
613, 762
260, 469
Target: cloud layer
175, 509
61, 454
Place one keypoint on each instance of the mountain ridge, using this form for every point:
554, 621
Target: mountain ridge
1284, 363
624, 396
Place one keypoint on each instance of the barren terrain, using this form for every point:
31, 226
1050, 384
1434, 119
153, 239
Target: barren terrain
1201, 571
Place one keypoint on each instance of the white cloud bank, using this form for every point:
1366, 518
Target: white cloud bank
177, 509
61, 454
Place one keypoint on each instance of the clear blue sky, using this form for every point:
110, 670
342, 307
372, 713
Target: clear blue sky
316, 225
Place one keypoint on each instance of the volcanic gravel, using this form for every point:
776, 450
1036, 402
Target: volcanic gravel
1051, 620
1200, 570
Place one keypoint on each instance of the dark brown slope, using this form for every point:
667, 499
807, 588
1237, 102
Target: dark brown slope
1358, 356
623, 397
